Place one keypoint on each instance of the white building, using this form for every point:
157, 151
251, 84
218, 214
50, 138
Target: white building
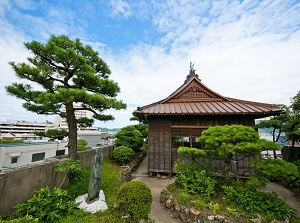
20, 154
61, 123
23, 129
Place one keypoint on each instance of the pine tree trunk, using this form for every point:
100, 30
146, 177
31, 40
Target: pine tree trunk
71, 120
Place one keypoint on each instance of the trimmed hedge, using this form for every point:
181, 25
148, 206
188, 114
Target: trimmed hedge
134, 200
123, 154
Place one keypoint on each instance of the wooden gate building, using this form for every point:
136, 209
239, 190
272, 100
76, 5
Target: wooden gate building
180, 119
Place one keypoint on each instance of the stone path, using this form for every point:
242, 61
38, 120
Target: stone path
158, 214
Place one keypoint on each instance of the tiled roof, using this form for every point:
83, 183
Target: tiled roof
194, 98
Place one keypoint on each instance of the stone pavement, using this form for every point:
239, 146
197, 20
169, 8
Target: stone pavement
158, 214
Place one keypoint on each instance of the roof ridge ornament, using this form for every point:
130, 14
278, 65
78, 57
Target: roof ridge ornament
192, 72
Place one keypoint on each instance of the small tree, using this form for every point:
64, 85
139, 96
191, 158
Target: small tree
222, 142
130, 137
292, 127
67, 72
276, 123
53, 134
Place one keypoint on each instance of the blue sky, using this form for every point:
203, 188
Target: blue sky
241, 49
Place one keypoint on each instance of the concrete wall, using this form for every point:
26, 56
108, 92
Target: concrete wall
91, 137
18, 185
23, 152
85, 157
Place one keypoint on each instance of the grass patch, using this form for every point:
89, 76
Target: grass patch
109, 184
81, 186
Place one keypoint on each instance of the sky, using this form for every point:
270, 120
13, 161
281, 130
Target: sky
247, 50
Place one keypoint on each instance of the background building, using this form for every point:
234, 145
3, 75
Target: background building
23, 129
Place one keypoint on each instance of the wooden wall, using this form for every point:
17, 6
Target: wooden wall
161, 129
159, 145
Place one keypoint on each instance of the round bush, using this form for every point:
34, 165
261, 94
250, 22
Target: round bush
134, 200
123, 154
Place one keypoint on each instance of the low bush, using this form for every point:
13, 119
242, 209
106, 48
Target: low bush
47, 204
193, 179
80, 186
134, 200
279, 170
26, 219
199, 204
82, 145
123, 154
184, 198
74, 167
268, 205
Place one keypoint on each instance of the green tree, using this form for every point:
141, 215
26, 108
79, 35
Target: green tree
143, 128
68, 72
53, 133
276, 123
85, 122
295, 102
141, 119
292, 127
222, 142
130, 137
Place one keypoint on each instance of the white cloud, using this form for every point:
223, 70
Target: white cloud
242, 54
120, 8
248, 50
26, 4
4, 5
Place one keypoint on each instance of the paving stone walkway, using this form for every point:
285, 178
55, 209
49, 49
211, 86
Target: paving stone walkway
158, 214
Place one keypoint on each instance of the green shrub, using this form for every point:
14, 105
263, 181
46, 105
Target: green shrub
123, 154
131, 137
268, 205
47, 204
184, 198
193, 179
74, 168
215, 207
82, 145
26, 219
134, 200
255, 183
279, 170
199, 204
80, 186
